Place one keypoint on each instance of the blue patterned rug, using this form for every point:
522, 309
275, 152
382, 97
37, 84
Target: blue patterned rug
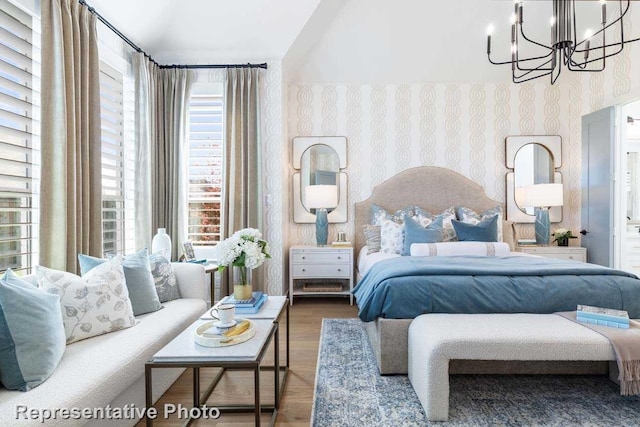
350, 392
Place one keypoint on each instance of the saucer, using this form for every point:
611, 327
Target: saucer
221, 325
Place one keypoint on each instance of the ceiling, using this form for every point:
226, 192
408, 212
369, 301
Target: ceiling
339, 40
197, 31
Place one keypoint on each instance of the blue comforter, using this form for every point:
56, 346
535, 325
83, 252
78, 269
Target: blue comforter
406, 287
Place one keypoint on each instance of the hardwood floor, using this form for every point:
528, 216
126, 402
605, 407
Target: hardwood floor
237, 387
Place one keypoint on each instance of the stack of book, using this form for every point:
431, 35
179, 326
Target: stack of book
249, 306
603, 316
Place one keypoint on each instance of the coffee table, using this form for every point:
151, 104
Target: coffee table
183, 352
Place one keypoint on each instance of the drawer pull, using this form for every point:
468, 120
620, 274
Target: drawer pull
304, 257
339, 269
339, 257
304, 269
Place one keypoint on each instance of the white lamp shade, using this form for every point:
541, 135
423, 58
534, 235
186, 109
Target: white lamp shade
321, 196
539, 196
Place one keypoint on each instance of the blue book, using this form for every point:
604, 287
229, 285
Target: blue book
589, 320
600, 316
254, 309
248, 303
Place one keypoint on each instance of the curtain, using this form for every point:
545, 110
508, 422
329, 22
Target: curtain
71, 182
162, 102
145, 76
242, 192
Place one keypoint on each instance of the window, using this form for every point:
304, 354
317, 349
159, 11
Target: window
19, 138
205, 168
118, 161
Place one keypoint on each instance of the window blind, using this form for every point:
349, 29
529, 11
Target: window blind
205, 168
113, 159
19, 137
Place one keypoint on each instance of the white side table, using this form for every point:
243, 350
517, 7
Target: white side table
574, 253
308, 264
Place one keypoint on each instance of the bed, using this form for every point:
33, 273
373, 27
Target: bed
387, 325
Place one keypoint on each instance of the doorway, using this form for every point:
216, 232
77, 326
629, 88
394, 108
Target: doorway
629, 188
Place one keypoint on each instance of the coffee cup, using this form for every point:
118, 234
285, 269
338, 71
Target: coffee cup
224, 313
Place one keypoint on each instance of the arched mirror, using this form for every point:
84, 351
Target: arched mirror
319, 161
532, 160
533, 164
320, 165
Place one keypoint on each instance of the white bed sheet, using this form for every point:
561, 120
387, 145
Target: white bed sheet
366, 261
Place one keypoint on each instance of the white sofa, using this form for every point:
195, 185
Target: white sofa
109, 369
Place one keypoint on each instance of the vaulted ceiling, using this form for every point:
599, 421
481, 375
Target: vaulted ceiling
340, 40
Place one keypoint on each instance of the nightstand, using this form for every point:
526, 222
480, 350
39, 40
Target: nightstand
320, 270
574, 253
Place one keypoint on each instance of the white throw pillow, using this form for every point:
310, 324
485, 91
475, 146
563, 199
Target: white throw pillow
94, 304
460, 248
391, 237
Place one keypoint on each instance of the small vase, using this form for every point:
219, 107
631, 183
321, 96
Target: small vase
161, 243
563, 241
242, 289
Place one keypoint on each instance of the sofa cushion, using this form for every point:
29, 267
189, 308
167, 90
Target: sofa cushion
164, 278
137, 274
32, 338
94, 304
96, 370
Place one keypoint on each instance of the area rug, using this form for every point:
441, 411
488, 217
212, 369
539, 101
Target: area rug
350, 392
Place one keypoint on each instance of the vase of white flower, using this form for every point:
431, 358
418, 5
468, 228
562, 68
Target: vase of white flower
244, 251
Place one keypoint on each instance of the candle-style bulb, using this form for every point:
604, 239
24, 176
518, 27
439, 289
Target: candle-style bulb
490, 29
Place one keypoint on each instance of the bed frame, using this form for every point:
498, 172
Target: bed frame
436, 189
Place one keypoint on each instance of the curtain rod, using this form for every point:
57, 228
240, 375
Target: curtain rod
139, 49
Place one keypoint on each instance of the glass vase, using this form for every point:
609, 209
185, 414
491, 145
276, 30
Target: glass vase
242, 289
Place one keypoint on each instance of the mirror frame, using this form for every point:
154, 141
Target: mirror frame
513, 144
300, 145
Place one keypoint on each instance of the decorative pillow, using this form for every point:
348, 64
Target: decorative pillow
416, 233
470, 216
164, 278
372, 234
484, 231
425, 218
32, 338
137, 275
94, 304
460, 248
391, 237
378, 214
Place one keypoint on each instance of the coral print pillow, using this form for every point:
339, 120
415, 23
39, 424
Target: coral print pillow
94, 304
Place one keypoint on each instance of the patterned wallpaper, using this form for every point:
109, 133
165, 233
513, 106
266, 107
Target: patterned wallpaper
458, 126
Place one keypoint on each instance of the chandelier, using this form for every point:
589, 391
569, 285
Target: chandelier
564, 48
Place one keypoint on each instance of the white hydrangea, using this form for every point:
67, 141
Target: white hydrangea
247, 241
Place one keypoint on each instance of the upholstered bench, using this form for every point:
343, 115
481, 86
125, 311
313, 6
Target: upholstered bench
435, 339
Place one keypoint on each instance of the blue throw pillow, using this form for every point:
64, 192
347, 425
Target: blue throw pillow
32, 337
416, 233
484, 231
137, 275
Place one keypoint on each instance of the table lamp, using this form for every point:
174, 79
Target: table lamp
321, 198
541, 197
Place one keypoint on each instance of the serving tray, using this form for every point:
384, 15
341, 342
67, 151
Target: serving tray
208, 335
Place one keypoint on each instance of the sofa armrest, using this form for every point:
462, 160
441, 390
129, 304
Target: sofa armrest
191, 280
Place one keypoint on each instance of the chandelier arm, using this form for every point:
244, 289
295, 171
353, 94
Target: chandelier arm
621, 43
539, 68
521, 60
516, 79
533, 41
605, 56
611, 24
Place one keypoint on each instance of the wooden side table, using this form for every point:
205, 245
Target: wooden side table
574, 253
320, 264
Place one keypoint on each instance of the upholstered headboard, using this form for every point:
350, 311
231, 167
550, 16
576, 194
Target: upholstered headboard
432, 188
